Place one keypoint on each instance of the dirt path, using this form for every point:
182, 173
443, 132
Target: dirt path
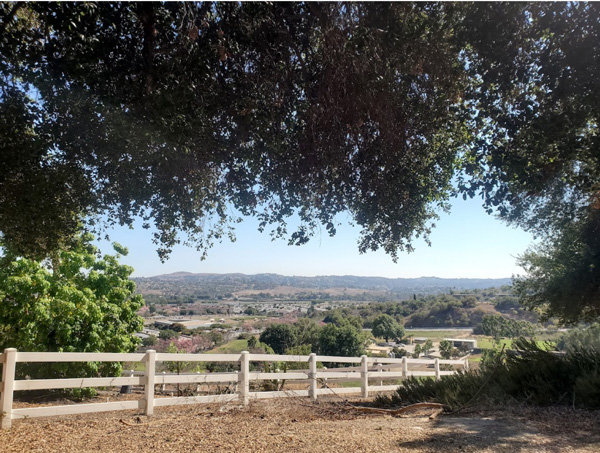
298, 426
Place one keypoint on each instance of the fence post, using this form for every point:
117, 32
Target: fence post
312, 376
436, 364
244, 377
150, 379
8, 380
364, 375
466, 365
404, 368
380, 371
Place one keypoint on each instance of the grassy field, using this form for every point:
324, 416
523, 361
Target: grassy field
488, 343
435, 335
233, 347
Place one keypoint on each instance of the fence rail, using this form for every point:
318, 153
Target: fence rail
149, 378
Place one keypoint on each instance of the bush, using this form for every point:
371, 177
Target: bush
528, 374
586, 392
149, 341
75, 301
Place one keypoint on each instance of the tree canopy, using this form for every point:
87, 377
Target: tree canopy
193, 115
385, 326
177, 112
280, 337
497, 326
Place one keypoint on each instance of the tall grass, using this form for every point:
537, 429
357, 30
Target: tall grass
528, 374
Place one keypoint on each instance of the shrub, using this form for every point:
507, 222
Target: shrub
528, 374
586, 392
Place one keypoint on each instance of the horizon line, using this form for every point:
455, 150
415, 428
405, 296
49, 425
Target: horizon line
325, 275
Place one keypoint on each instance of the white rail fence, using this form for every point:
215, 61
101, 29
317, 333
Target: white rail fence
149, 378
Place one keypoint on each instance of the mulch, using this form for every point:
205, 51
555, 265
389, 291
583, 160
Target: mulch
297, 425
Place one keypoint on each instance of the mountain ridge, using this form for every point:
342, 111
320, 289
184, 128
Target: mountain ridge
432, 277
215, 284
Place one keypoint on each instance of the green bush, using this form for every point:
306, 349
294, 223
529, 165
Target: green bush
527, 374
587, 390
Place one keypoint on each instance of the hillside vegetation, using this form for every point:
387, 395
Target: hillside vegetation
185, 286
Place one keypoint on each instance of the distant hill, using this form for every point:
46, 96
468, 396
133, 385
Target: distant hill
230, 285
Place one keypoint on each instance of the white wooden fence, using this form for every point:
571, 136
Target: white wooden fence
149, 379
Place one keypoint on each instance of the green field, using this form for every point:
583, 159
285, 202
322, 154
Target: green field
434, 334
233, 347
488, 343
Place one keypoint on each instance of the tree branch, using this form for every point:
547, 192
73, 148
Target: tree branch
146, 14
9, 17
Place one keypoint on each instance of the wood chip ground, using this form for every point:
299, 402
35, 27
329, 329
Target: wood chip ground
296, 425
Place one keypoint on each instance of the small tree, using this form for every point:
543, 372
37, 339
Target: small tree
427, 346
252, 342
76, 301
279, 337
149, 341
385, 326
417, 351
179, 346
345, 341
307, 333
446, 349
167, 334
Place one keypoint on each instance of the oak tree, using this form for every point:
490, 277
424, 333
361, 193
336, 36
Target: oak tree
385, 326
194, 115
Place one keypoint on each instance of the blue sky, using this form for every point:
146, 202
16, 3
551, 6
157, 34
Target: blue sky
467, 243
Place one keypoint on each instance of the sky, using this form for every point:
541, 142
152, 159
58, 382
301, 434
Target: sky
467, 243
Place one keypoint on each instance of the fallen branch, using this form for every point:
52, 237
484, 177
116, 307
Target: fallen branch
137, 423
435, 414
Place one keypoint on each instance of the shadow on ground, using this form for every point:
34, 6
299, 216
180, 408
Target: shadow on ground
456, 434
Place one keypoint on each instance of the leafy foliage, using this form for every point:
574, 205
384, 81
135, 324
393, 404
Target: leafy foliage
175, 112
279, 336
305, 336
580, 338
529, 375
84, 303
427, 346
536, 163
447, 350
385, 326
417, 351
563, 274
342, 317
345, 341
498, 326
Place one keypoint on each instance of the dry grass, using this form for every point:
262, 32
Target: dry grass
299, 426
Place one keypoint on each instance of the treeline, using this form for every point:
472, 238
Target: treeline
200, 339
445, 310
341, 337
